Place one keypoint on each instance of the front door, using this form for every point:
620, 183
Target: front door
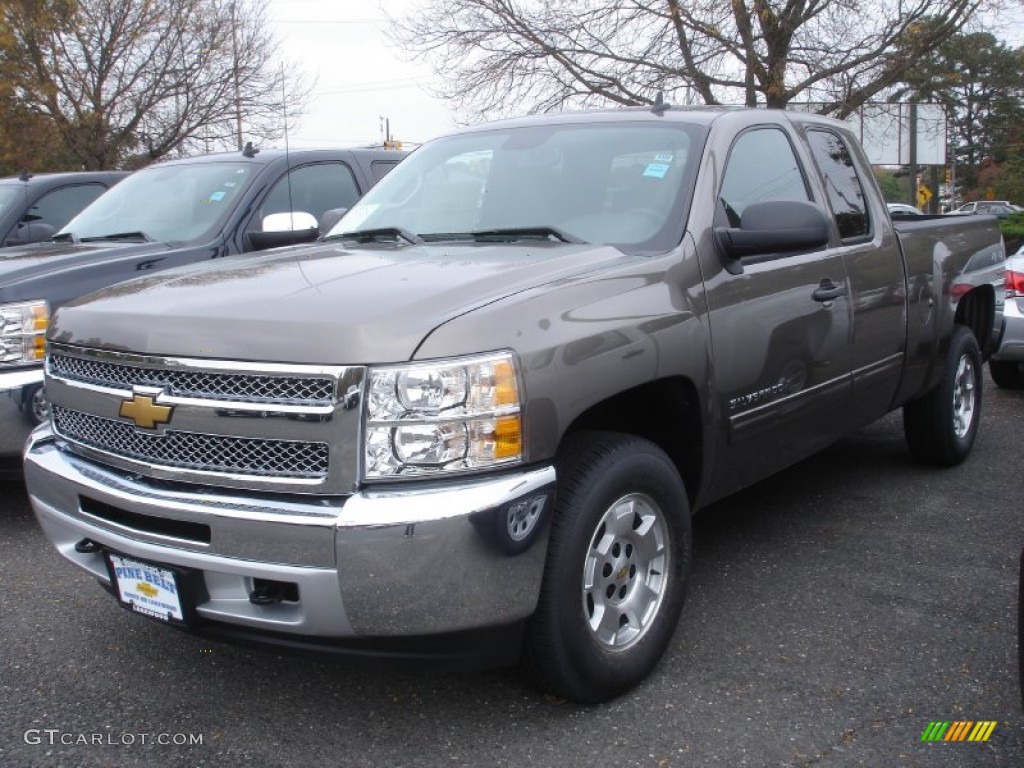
780, 329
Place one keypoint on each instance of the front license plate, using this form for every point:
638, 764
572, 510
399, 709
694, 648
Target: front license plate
146, 588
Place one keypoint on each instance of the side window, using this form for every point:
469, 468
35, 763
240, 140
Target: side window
381, 168
761, 167
59, 206
845, 192
314, 189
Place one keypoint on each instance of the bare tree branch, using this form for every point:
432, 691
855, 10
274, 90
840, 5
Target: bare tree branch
128, 81
504, 56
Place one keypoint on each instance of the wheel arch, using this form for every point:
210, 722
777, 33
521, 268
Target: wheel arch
976, 311
665, 411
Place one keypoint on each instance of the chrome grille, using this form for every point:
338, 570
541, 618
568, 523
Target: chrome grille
193, 450
206, 385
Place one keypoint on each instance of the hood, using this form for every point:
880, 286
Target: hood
320, 305
20, 267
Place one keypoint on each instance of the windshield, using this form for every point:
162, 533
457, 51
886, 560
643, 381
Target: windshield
172, 203
603, 183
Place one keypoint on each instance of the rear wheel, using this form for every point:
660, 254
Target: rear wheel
1008, 374
615, 578
941, 426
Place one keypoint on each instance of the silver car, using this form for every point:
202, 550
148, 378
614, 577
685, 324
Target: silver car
1007, 365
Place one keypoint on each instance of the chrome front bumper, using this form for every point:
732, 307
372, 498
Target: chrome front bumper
16, 420
405, 561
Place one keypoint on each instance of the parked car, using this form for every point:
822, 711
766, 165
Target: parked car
169, 214
999, 210
1007, 364
903, 209
473, 422
972, 207
33, 207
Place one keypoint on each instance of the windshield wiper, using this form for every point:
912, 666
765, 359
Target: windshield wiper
508, 235
64, 237
381, 233
140, 236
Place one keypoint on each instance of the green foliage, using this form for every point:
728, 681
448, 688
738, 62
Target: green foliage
980, 81
1010, 183
894, 190
1012, 228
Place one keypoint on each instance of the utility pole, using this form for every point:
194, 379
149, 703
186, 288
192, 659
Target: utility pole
913, 153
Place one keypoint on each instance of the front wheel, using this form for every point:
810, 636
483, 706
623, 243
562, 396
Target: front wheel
941, 426
615, 578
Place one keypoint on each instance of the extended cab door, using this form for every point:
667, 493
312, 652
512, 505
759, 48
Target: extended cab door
780, 323
874, 268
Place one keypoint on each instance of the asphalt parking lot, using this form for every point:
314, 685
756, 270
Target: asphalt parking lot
835, 611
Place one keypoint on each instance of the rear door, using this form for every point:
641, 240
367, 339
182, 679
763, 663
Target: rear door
874, 268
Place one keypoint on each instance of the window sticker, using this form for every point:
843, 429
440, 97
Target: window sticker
230, 184
663, 157
218, 195
656, 170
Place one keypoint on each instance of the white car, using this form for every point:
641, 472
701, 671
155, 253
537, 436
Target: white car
1007, 364
973, 206
903, 209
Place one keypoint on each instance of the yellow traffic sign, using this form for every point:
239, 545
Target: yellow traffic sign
923, 196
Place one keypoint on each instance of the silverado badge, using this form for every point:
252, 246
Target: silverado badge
143, 410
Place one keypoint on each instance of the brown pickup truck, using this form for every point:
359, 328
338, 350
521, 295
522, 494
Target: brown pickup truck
474, 421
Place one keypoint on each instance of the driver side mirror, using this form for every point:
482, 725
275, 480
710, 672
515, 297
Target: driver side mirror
288, 228
330, 218
770, 228
30, 232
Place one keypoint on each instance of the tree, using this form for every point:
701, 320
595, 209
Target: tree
27, 140
500, 56
980, 82
124, 82
892, 190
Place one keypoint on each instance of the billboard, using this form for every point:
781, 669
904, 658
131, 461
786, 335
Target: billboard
884, 132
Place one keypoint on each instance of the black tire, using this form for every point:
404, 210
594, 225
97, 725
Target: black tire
35, 405
638, 568
1007, 374
941, 426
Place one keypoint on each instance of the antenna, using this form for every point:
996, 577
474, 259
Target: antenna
660, 105
287, 156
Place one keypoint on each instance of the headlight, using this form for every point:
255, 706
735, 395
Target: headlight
23, 332
442, 417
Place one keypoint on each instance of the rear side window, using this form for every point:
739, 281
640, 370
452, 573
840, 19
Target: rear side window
382, 168
843, 185
762, 167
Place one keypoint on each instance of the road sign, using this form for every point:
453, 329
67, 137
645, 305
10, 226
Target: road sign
923, 196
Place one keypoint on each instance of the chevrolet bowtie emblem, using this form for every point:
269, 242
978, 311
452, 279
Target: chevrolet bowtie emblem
143, 410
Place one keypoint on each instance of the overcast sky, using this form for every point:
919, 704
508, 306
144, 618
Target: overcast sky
359, 76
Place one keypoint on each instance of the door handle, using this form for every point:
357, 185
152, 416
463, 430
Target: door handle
827, 291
